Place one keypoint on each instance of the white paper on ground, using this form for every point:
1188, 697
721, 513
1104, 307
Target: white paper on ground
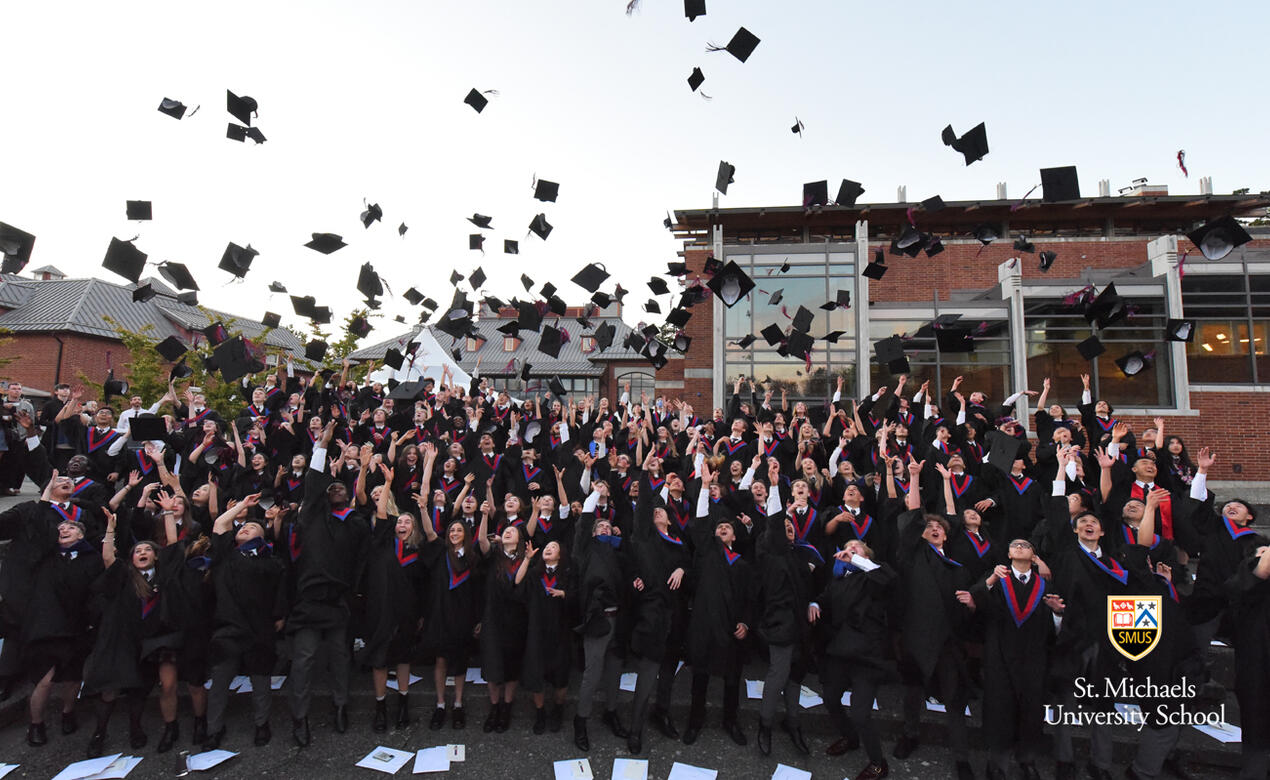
1218, 643
81, 769
846, 700
385, 759
573, 769
414, 678
689, 772
277, 681
474, 676
1225, 733
239, 681
200, 762
433, 759
630, 769
456, 752
1125, 709
807, 698
7, 768
118, 769
753, 689
935, 706
784, 772
628, 681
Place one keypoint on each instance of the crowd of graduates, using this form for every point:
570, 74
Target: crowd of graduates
332, 527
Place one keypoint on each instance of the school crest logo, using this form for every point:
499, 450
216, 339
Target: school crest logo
1134, 624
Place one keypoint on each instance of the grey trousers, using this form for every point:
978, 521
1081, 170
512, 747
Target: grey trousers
218, 696
602, 670
647, 677
776, 682
304, 649
1100, 743
1154, 745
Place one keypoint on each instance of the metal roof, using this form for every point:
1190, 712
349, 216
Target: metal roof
493, 360
83, 306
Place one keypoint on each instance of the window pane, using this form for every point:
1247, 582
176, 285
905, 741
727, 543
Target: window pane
1219, 353
640, 381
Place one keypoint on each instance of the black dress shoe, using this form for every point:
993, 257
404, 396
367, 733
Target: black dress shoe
171, 733
438, 719
300, 731
690, 734
70, 723
580, 739
874, 772
662, 722
905, 746
635, 743
458, 718
491, 720
36, 735
964, 771
403, 710
263, 735
734, 731
1095, 773
200, 731
504, 718
341, 718
843, 745
764, 739
611, 720
796, 736
137, 738
380, 722
212, 742
540, 720
555, 718
96, 743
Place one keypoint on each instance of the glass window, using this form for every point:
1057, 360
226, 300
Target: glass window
474, 344
986, 370
1232, 314
640, 381
588, 343
510, 343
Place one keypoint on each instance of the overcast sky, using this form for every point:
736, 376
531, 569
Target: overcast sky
365, 100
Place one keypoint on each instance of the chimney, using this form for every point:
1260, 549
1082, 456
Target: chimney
1140, 189
1206, 185
1104, 188
901, 194
1001, 191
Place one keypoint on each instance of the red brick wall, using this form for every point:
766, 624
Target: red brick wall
36, 358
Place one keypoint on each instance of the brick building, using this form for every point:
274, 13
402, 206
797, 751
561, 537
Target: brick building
1214, 390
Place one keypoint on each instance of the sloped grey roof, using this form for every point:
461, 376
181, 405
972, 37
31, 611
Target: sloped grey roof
83, 306
571, 362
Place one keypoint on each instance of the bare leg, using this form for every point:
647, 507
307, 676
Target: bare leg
438, 679
403, 678
539, 699
70, 690
39, 700
167, 692
459, 680
495, 692
509, 692
380, 679
198, 700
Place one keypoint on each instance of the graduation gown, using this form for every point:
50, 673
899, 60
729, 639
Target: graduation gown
1250, 599
395, 581
31, 528
333, 547
723, 597
932, 613
506, 622
453, 595
548, 641
855, 612
249, 598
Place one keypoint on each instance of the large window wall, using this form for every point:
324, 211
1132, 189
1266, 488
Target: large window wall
814, 277
1232, 330
986, 369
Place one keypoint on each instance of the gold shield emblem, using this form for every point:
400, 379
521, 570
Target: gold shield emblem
1134, 624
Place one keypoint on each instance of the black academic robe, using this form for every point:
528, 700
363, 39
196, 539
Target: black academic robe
661, 614
1250, 600
506, 623
723, 597
454, 600
1223, 547
932, 614
249, 598
856, 610
62, 586
549, 640
31, 528
790, 575
395, 579
333, 547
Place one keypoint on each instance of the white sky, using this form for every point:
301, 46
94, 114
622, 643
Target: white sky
364, 100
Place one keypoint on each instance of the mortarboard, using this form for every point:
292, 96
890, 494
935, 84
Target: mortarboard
844, 298
173, 108
368, 282
401, 229
399, 318
393, 358
772, 334
1107, 308
254, 134
277, 287
326, 243
973, 145
557, 305
143, 293
775, 298
528, 316
481, 221
797, 129
180, 371
591, 277
1004, 450
125, 259
677, 269
476, 278
240, 108
271, 320
799, 344
604, 335
602, 299
524, 371
113, 386
170, 348
946, 320
934, 246
235, 132
833, 337
848, 192
139, 210
1133, 363
15, 248
876, 268
476, 241
494, 302
1047, 259
619, 293
550, 341
359, 326
178, 275
215, 333
815, 193
694, 8
373, 213
303, 306
455, 277
476, 100
711, 266
1090, 348
889, 350
696, 79
321, 314
237, 259
455, 323
147, 428
954, 339
1218, 238
1059, 184
406, 391
803, 319
658, 285
682, 342
315, 350
548, 290
745, 341
741, 46
1021, 244
726, 176
540, 227
413, 296
557, 387
985, 234
731, 284
909, 243
510, 247
1179, 330
652, 307
933, 204
678, 317
546, 191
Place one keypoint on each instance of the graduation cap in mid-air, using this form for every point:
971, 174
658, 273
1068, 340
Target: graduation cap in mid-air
326, 243
277, 287
954, 339
1003, 451
658, 285
1133, 363
591, 277
372, 213
604, 335
511, 247
890, 353
240, 108
146, 427
359, 326
934, 246
731, 284
932, 204
477, 278
1091, 348
368, 282
725, 176
113, 386
1218, 238
696, 79
215, 333
178, 275
815, 193
139, 210
173, 108
315, 350
476, 241
546, 191
481, 221
143, 293
802, 319
848, 192
1179, 330
15, 248
413, 296
1107, 308
550, 342
985, 234
741, 46
694, 8
123, 258
540, 227
271, 320
237, 259
477, 100
1022, 244
171, 348
876, 268
973, 145
1047, 258
1058, 184
401, 229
